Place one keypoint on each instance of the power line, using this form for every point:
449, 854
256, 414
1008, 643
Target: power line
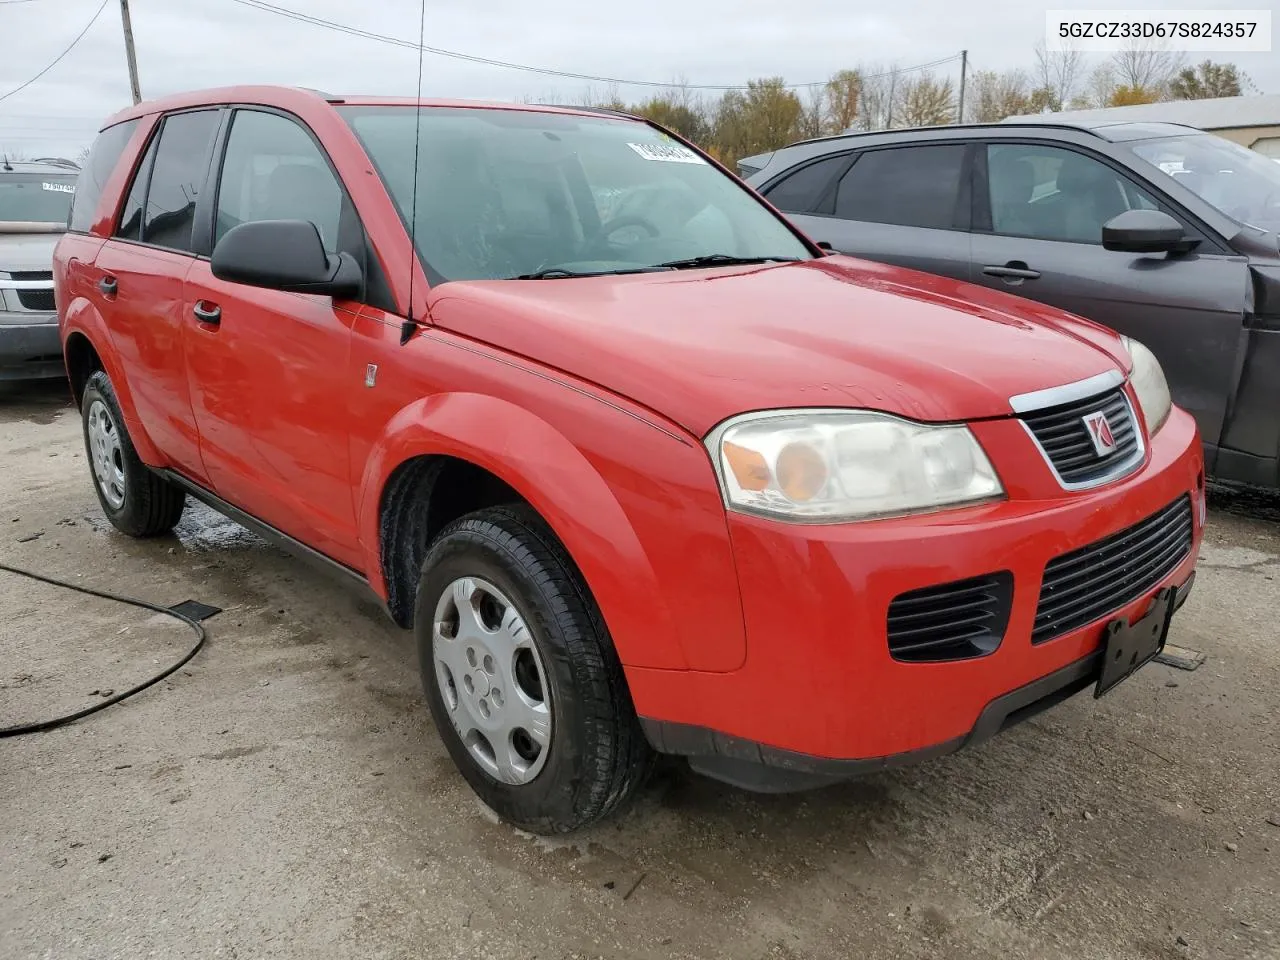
546, 71
58, 58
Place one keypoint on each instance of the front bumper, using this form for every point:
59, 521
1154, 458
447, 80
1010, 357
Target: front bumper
29, 347
819, 685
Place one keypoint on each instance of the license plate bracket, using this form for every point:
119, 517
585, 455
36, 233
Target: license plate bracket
1128, 646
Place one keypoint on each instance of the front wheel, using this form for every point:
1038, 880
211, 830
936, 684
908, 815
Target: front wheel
136, 500
521, 676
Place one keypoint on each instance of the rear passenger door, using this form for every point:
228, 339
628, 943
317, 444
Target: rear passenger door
906, 205
1037, 232
139, 276
269, 369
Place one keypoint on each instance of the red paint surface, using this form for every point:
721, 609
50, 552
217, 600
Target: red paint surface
590, 398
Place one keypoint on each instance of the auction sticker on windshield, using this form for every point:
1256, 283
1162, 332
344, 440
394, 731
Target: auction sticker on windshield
57, 187
668, 152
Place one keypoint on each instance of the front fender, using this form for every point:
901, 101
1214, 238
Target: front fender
82, 318
558, 481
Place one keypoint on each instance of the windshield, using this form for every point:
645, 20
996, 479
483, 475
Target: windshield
1237, 181
36, 197
512, 193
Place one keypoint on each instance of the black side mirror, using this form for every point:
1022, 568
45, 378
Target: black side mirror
1145, 231
827, 249
284, 255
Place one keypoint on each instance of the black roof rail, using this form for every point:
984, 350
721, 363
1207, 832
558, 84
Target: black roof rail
1000, 125
604, 111
329, 97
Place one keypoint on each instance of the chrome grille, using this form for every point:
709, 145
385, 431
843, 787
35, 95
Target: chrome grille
1064, 438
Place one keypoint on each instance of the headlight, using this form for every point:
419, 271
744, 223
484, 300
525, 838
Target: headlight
1149, 384
834, 465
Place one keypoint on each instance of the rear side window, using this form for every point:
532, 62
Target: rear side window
103, 157
177, 177
803, 191
131, 217
910, 186
273, 170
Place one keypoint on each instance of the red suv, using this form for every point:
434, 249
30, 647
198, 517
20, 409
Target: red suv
643, 469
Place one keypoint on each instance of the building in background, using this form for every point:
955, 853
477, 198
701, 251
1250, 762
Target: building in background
1251, 121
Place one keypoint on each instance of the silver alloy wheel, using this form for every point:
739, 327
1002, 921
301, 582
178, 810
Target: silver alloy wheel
105, 452
492, 680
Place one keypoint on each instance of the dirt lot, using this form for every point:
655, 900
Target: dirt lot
287, 796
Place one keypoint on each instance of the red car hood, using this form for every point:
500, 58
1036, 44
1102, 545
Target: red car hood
701, 345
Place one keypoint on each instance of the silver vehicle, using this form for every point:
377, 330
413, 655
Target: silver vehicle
35, 198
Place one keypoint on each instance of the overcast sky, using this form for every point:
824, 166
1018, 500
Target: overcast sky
186, 44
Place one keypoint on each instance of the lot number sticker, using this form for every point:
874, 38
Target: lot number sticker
57, 187
666, 152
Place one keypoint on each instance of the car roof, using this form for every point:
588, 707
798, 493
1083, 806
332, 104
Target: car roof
40, 165
295, 97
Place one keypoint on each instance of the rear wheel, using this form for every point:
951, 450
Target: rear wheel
136, 500
521, 676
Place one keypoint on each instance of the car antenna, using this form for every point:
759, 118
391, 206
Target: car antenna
8, 167
409, 325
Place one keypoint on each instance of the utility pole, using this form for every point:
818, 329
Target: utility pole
128, 51
964, 64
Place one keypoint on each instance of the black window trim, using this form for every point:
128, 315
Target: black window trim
960, 217
156, 133
377, 291
133, 120
1211, 242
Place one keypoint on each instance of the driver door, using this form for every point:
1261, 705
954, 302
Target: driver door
1038, 216
268, 369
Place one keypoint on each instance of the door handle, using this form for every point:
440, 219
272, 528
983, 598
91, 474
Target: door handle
207, 313
108, 286
1014, 270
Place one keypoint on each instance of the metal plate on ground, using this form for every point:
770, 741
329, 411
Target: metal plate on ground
195, 610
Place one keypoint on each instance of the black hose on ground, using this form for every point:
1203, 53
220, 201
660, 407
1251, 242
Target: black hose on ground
39, 725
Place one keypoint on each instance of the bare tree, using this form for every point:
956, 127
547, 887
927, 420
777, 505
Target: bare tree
1098, 89
844, 94
1058, 72
875, 99
925, 101
994, 96
813, 118
1146, 67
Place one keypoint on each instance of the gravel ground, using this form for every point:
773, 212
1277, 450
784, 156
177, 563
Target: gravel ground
285, 795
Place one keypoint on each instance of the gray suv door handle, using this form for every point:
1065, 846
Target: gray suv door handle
1013, 270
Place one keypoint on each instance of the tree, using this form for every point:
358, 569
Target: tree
684, 118
876, 93
1126, 96
844, 95
813, 117
1145, 67
765, 116
993, 96
925, 101
1098, 90
1206, 81
1057, 74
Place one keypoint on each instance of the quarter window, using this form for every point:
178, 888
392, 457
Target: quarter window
273, 170
1050, 193
909, 186
103, 157
181, 165
803, 191
131, 217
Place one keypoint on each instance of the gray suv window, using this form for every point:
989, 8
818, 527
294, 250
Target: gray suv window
911, 186
1050, 193
805, 190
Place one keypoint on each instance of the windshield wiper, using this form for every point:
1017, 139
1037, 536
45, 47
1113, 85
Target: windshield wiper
721, 260
559, 273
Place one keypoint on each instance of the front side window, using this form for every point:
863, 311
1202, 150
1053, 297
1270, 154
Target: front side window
1050, 193
507, 193
177, 177
1243, 184
909, 186
805, 190
36, 197
103, 157
273, 170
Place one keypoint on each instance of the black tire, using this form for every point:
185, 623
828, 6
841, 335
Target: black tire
597, 755
151, 505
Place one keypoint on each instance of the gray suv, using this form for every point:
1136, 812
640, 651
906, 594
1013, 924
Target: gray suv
1158, 231
35, 199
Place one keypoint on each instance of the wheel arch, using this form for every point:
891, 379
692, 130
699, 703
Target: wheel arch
431, 462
